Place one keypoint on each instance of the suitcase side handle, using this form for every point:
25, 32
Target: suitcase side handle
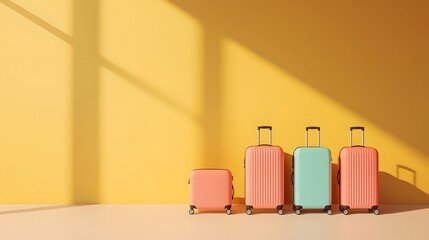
259, 134
338, 176
363, 134
315, 128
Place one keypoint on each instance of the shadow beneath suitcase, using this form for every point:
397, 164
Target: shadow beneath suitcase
241, 209
235, 209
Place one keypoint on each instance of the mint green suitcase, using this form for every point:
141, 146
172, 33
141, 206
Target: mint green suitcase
311, 177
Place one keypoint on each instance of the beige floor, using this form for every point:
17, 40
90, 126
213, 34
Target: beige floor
173, 222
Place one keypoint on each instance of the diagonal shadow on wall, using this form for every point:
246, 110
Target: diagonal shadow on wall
38, 21
374, 65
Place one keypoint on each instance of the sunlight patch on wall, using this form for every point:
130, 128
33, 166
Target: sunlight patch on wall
35, 116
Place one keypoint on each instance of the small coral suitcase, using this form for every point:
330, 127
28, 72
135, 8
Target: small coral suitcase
358, 177
211, 189
311, 177
264, 176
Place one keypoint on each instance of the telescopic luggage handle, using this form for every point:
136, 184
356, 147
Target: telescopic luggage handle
259, 133
363, 134
315, 128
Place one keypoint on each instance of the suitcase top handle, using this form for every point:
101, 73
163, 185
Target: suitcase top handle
259, 133
363, 135
315, 128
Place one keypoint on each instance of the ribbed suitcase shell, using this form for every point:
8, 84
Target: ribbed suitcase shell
211, 188
358, 177
264, 176
312, 177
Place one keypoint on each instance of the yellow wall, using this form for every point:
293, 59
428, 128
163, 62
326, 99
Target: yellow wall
117, 101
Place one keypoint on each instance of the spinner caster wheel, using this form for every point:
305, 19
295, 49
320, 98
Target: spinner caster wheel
376, 211
191, 211
249, 211
228, 211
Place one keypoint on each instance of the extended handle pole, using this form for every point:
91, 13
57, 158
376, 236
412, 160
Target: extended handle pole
363, 134
259, 133
315, 128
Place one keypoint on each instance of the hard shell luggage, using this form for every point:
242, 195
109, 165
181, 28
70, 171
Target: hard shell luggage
264, 176
211, 189
358, 177
311, 177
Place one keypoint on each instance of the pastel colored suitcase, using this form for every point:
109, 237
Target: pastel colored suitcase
264, 176
211, 189
311, 177
358, 177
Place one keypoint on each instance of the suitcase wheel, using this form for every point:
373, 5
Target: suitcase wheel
279, 209
228, 211
374, 209
191, 211
346, 211
249, 211
328, 210
297, 209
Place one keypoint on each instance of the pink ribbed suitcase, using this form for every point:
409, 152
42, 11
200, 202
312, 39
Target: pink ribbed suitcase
264, 176
358, 177
211, 189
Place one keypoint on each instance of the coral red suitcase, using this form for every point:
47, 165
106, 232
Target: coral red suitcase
210, 189
358, 177
264, 176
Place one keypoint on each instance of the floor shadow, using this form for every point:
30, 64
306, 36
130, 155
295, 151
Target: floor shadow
26, 210
344, 50
85, 97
